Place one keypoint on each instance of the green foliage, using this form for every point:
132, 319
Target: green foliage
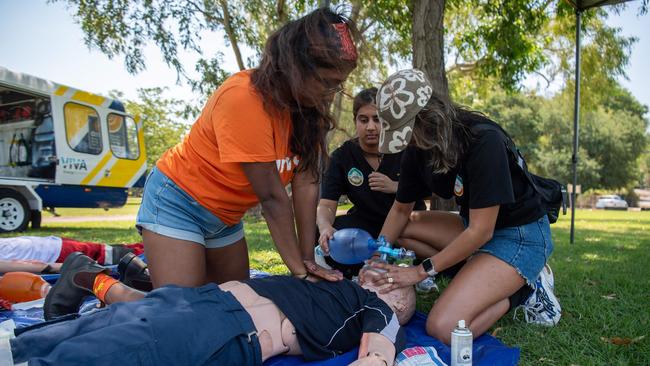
500, 39
162, 120
644, 167
612, 137
490, 47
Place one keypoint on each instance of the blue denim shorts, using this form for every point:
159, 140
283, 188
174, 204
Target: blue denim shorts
168, 210
526, 247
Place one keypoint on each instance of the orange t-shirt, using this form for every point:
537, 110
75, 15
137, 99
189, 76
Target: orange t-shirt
233, 128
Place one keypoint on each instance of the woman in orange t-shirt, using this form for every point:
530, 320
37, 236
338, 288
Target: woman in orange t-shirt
261, 130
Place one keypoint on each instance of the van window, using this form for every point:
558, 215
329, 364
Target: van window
82, 128
123, 136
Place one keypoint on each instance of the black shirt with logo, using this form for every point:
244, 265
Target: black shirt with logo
484, 177
330, 317
347, 174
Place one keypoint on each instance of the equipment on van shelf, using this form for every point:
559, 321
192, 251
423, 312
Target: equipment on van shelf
19, 151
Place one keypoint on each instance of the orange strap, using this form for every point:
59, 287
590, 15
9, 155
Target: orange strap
103, 283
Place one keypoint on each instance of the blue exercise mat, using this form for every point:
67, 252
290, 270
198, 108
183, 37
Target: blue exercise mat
487, 349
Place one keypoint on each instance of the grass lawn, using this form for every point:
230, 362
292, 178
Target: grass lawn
602, 281
603, 284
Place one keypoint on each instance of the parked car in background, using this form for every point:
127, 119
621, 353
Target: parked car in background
611, 201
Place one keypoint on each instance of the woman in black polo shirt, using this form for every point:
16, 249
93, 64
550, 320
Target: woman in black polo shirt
502, 227
368, 178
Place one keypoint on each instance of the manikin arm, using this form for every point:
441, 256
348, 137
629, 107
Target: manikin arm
27, 266
375, 349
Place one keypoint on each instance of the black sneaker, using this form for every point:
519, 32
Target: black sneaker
134, 273
66, 296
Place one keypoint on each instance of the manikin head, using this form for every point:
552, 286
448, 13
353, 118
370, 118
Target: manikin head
400, 300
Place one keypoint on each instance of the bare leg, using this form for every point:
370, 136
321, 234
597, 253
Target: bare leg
434, 228
421, 249
490, 316
478, 294
174, 261
27, 266
229, 263
120, 292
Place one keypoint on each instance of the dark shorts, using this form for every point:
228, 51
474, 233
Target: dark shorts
170, 326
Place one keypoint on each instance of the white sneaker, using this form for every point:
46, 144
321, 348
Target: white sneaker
542, 307
426, 285
547, 275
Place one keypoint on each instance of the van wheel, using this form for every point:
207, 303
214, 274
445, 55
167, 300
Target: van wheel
36, 219
14, 211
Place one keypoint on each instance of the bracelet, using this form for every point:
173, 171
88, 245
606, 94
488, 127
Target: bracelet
302, 276
379, 355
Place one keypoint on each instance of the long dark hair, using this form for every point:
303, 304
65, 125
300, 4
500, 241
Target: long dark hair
363, 98
291, 57
440, 129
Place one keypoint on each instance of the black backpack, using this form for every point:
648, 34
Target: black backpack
554, 194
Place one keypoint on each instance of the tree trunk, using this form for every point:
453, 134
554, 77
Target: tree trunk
428, 41
429, 56
231, 34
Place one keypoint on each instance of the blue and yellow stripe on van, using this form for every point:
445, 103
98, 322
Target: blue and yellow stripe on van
80, 95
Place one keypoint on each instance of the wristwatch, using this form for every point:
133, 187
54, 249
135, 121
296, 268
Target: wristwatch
427, 264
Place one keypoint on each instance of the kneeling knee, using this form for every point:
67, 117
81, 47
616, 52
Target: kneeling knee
440, 329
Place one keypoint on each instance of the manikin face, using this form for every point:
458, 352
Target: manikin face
400, 300
368, 127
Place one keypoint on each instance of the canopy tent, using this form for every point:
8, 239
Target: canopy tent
580, 6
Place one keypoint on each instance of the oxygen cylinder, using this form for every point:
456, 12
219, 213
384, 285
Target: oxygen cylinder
23, 151
13, 151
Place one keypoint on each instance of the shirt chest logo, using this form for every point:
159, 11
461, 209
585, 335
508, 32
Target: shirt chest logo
355, 177
287, 164
458, 186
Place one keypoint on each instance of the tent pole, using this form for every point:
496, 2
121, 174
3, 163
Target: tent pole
576, 126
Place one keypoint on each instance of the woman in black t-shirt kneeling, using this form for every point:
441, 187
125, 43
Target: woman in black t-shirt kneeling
368, 178
502, 229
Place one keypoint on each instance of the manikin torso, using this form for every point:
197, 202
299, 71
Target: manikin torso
275, 332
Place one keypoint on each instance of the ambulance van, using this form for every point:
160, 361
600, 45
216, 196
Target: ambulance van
63, 147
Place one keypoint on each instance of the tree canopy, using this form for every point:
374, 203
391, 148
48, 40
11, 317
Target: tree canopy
488, 49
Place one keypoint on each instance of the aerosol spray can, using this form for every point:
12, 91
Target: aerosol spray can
461, 345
